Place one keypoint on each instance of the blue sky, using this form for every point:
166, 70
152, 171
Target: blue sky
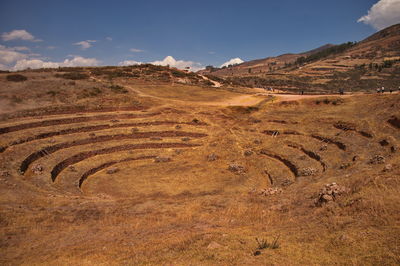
202, 32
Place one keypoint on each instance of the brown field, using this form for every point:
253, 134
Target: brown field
187, 174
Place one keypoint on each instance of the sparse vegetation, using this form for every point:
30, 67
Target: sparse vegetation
16, 78
325, 53
263, 243
72, 75
118, 89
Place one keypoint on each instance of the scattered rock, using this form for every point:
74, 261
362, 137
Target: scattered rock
214, 245
185, 139
155, 138
37, 169
329, 193
5, 174
52, 140
266, 191
345, 165
307, 171
72, 168
248, 153
377, 159
196, 121
286, 182
92, 135
388, 168
112, 170
384, 142
178, 127
257, 141
114, 120
344, 126
135, 129
355, 158
254, 120
159, 159
393, 149
212, 157
238, 169
302, 157
323, 147
257, 252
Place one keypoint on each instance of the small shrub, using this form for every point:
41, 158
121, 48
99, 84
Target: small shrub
263, 243
16, 99
95, 91
16, 78
52, 93
118, 89
72, 75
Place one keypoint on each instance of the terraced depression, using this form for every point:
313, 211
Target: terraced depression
190, 173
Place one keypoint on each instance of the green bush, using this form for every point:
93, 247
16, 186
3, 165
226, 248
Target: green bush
118, 89
16, 78
72, 75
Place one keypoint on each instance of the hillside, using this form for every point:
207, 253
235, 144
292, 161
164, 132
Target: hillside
137, 166
264, 65
363, 66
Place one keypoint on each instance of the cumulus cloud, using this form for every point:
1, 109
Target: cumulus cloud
3, 67
134, 50
19, 35
129, 63
21, 48
73, 62
382, 14
233, 61
167, 61
180, 64
85, 44
10, 55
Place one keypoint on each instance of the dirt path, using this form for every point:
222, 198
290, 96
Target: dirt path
216, 83
240, 100
295, 97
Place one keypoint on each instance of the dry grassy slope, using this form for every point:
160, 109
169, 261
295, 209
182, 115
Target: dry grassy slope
262, 66
358, 68
91, 185
103, 87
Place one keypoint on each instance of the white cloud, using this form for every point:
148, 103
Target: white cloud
50, 47
180, 64
3, 67
233, 61
211, 52
85, 44
10, 55
134, 50
167, 61
382, 14
19, 35
109, 39
21, 48
129, 63
37, 63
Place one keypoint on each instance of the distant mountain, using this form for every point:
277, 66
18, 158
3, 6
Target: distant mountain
370, 63
264, 65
